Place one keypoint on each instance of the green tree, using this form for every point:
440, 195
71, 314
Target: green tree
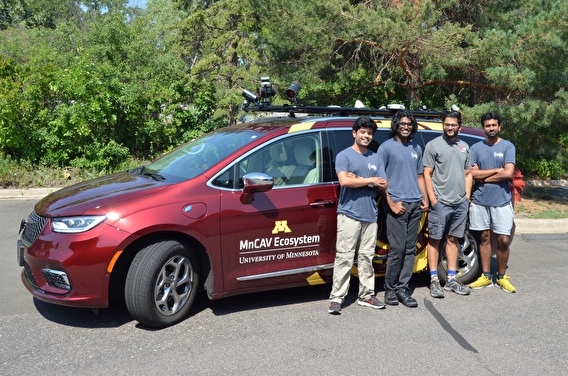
527, 75
392, 50
90, 83
12, 12
220, 41
93, 93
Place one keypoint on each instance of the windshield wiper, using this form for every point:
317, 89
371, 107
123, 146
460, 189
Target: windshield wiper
154, 175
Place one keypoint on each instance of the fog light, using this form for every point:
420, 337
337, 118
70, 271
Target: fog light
56, 278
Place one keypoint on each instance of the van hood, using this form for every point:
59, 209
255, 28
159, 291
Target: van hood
92, 195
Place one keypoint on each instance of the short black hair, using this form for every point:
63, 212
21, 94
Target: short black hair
490, 115
364, 122
454, 115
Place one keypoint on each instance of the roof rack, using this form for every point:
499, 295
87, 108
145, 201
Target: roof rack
261, 101
335, 110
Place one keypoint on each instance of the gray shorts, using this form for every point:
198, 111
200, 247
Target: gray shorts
447, 220
497, 219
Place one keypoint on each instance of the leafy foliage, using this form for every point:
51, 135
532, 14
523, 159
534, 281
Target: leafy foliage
94, 93
92, 85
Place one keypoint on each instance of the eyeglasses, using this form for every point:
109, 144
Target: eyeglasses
446, 125
401, 124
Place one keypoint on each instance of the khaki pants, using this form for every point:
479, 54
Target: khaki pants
354, 237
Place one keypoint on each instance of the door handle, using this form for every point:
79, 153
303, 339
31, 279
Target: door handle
323, 204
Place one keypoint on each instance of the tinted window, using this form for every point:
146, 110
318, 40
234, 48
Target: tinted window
338, 139
423, 137
290, 161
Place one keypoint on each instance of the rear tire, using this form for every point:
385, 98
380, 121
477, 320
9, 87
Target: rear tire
161, 284
468, 260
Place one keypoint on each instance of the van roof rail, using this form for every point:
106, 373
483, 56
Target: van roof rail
292, 109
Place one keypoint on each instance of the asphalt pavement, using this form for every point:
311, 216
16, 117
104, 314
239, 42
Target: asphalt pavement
289, 332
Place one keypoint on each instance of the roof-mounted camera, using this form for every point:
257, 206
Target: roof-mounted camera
261, 101
267, 91
292, 91
249, 96
264, 95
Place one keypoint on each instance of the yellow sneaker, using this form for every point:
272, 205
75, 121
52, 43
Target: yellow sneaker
481, 282
506, 285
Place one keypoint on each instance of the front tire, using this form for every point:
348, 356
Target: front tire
468, 260
161, 284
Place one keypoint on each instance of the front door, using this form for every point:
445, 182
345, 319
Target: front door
286, 236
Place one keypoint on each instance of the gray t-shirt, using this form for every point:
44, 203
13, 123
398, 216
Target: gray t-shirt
449, 161
359, 203
488, 156
403, 163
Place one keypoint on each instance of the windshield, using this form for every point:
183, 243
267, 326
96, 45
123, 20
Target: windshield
197, 156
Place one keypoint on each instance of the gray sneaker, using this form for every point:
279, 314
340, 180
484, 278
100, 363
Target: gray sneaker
334, 308
455, 286
436, 289
371, 302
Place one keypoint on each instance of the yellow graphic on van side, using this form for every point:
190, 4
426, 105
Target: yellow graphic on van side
281, 226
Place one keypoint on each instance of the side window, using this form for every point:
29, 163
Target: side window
380, 136
226, 179
338, 139
423, 137
470, 139
291, 161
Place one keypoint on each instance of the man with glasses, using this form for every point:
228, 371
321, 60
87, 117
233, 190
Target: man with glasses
448, 179
406, 200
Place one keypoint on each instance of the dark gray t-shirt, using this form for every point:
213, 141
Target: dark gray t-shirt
449, 161
403, 163
359, 203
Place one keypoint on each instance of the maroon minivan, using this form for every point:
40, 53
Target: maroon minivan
245, 208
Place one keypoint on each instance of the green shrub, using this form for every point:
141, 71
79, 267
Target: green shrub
543, 168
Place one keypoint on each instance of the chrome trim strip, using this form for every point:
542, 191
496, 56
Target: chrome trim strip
283, 273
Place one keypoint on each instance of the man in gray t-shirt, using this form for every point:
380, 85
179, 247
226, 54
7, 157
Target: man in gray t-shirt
448, 180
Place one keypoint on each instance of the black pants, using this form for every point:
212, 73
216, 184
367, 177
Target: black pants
402, 233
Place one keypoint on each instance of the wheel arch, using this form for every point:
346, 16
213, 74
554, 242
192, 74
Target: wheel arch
120, 270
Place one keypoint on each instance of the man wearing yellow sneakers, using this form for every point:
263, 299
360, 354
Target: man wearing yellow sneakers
491, 209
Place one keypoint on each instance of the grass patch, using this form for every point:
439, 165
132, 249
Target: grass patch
551, 214
541, 209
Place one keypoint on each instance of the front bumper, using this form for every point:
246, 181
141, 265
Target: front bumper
70, 269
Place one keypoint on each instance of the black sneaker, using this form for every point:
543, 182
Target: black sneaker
390, 297
371, 302
334, 308
404, 297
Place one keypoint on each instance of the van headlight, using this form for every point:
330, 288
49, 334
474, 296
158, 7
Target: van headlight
76, 224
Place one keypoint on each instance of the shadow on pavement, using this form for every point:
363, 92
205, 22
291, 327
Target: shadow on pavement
118, 315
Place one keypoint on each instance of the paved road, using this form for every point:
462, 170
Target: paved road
289, 332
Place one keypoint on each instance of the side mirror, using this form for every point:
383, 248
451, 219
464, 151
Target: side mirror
253, 183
